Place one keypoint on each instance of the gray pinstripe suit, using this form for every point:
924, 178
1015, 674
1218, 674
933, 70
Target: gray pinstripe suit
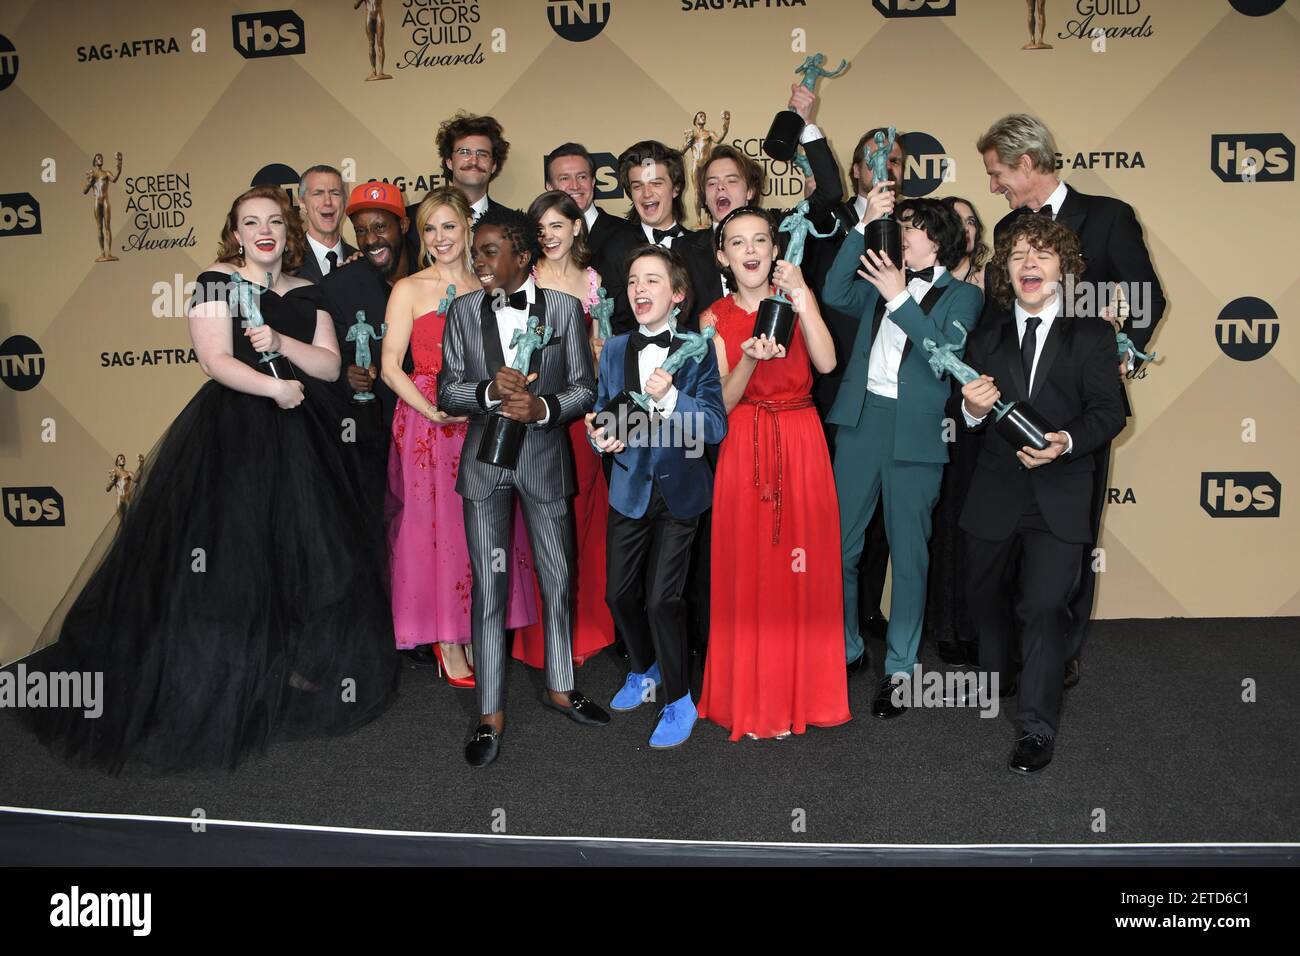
544, 480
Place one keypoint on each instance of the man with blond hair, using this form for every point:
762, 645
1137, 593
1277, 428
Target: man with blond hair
1019, 154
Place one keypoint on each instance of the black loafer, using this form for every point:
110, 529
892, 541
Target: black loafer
1072, 673
483, 747
1032, 753
883, 706
581, 710
421, 656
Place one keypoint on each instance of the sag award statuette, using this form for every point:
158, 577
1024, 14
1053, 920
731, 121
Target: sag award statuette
783, 136
362, 333
243, 303
602, 310
884, 234
775, 317
504, 437
1017, 422
695, 345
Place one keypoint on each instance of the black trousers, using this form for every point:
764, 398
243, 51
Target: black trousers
1083, 599
1038, 597
647, 560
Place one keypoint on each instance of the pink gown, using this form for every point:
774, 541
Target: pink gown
428, 557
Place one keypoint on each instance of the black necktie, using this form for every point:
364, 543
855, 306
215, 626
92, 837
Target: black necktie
519, 300
663, 340
332, 258
661, 234
925, 275
1027, 347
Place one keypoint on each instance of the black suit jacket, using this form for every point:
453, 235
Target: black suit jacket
1078, 391
842, 326
310, 268
699, 249
1113, 251
413, 247
609, 241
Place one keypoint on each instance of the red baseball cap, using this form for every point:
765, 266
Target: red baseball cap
377, 195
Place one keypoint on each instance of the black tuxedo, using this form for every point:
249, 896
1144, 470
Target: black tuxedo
310, 268
609, 241
1113, 251
1041, 514
699, 249
414, 248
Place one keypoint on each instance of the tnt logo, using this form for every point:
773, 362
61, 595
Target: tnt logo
278, 174
33, 507
22, 364
578, 20
271, 33
1240, 494
20, 215
916, 8
1252, 157
925, 165
8, 63
1247, 329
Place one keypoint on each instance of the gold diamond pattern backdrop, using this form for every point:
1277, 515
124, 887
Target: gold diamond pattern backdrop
166, 83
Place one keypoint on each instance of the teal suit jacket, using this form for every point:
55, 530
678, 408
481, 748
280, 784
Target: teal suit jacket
919, 429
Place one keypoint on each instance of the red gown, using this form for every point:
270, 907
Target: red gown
776, 626
593, 627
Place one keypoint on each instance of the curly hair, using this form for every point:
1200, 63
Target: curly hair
453, 199
465, 124
295, 244
719, 237
940, 224
562, 203
516, 228
654, 152
678, 277
1044, 235
980, 253
750, 171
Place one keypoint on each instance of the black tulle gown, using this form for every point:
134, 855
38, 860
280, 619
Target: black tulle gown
242, 597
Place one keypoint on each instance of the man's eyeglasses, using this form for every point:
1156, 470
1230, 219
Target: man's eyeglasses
465, 153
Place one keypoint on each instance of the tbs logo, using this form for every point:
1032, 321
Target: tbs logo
271, 33
33, 507
916, 8
1240, 494
20, 215
1258, 157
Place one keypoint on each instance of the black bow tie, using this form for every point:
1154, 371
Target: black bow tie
518, 300
925, 275
663, 340
1043, 210
661, 234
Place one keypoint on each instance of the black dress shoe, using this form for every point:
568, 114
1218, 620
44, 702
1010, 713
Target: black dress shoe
484, 746
1072, 673
883, 706
1032, 753
859, 663
421, 656
581, 710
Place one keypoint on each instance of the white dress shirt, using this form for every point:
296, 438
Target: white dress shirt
1054, 200
477, 209
1048, 315
590, 215
650, 358
320, 250
510, 321
887, 348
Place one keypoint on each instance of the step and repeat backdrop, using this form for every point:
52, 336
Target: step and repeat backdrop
151, 115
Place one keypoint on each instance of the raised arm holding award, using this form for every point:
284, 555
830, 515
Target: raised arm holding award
782, 138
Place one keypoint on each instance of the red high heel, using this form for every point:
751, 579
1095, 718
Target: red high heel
442, 671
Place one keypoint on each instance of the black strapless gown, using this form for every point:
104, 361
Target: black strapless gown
243, 596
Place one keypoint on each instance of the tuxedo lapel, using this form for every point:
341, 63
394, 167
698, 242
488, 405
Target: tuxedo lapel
1073, 212
493, 357
928, 302
1056, 339
631, 368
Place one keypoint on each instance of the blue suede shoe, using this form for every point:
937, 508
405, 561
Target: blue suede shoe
675, 723
633, 693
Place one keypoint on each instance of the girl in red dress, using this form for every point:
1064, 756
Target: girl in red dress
776, 626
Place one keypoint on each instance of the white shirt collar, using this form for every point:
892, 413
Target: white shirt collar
590, 215
1049, 312
1056, 198
645, 330
860, 206
480, 207
319, 249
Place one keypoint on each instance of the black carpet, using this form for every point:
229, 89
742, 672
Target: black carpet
1156, 745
